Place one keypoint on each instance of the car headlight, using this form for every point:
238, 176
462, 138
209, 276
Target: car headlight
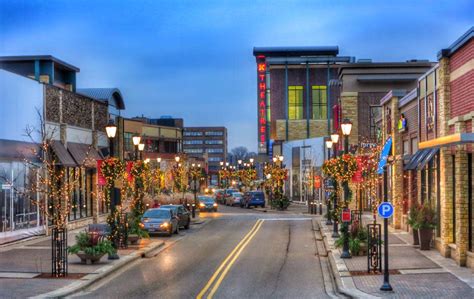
215, 204
202, 205
165, 224
141, 225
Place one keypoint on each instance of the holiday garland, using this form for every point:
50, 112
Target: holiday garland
112, 169
341, 168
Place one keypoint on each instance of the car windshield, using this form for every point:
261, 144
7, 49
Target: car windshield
157, 213
174, 208
237, 194
206, 199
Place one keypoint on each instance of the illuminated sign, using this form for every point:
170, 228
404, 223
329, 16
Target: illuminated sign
262, 106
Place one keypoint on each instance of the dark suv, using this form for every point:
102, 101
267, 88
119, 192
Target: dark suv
253, 199
184, 217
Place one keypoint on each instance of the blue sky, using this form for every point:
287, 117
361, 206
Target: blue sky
193, 59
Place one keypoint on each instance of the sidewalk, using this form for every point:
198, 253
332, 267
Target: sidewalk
416, 274
294, 208
25, 267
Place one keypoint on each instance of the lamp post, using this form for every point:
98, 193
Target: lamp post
346, 127
158, 160
221, 163
141, 147
329, 221
111, 130
194, 175
136, 141
335, 140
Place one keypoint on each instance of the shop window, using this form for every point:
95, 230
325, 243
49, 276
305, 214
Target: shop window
319, 97
127, 142
295, 102
414, 145
406, 147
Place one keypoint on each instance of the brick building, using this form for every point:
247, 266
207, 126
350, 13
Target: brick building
295, 93
41, 90
209, 143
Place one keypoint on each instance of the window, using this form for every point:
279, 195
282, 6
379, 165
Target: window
192, 133
193, 150
214, 142
375, 115
214, 133
198, 141
295, 102
127, 141
414, 145
215, 150
406, 147
319, 96
215, 159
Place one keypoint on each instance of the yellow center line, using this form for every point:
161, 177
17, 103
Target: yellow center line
216, 273
221, 278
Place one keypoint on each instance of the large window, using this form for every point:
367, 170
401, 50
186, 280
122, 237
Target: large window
193, 150
214, 133
215, 159
127, 141
319, 96
197, 141
215, 150
295, 102
214, 142
192, 133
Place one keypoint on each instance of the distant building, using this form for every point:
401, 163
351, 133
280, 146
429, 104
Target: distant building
207, 142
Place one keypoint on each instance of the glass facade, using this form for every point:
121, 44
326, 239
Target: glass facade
319, 96
18, 209
295, 102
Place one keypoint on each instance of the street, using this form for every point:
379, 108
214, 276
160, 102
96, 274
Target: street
237, 253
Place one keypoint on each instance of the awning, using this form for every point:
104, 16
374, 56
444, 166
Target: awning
63, 156
431, 153
454, 139
420, 158
84, 154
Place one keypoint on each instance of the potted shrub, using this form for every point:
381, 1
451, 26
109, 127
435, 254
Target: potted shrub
135, 230
426, 222
90, 248
412, 222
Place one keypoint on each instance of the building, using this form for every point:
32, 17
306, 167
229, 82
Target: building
160, 141
209, 143
295, 93
40, 92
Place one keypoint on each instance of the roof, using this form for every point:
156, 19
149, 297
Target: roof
111, 96
461, 41
408, 98
296, 51
58, 62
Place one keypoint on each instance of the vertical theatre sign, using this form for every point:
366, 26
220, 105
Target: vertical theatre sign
261, 96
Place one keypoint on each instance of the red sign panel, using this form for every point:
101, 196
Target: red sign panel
262, 105
357, 177
346, 215
129, 171
100, 176
317, 181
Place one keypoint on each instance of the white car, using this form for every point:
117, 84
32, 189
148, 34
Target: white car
234, 199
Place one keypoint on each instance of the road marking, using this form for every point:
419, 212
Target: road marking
229, 265
286, 219
221, 266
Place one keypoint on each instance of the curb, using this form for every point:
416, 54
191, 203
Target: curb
344, 283
102, 272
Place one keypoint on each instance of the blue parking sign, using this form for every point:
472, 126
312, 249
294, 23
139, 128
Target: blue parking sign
385, 210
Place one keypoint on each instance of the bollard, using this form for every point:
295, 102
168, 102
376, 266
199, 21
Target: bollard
193, 211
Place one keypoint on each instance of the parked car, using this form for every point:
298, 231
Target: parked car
234, 199
160, 220
219, 195
253, 199
207, 203
184, 217
228, 193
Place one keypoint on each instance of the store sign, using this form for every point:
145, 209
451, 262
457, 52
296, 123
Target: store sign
346, 215
262, 106
317, 181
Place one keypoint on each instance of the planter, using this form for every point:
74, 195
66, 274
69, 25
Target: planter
416, 238
425, 236
133, 239
89, 259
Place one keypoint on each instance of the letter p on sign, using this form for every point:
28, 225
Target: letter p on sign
385, 210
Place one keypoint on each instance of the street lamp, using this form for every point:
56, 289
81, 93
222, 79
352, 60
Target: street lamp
158, 160
346, 127
141, 147
251, 160
329, 144
274, 159
136, 141
177, 158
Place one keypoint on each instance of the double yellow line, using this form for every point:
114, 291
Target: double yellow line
228, 262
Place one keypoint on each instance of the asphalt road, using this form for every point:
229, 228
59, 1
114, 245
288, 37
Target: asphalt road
235, 254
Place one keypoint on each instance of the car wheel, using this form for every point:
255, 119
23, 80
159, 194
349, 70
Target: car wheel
170, 231
187, 224
263, 206
215, 210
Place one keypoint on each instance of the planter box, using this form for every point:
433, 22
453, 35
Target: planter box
89, 259
416, 237
425, 236
133, 239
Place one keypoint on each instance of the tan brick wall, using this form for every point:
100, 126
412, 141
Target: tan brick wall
446, 198
350, 111
397, 166
318, 128
280, 129
461, 201
297, 129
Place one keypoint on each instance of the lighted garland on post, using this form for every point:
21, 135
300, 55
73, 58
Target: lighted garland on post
341, 168
140, 173
112, 169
